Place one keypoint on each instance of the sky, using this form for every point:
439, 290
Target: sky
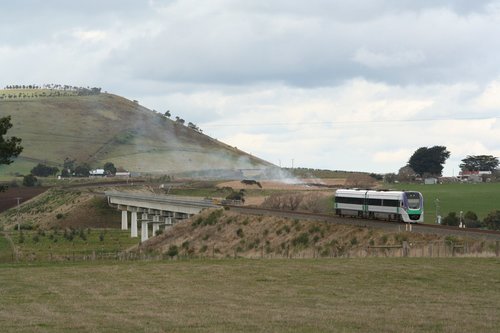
340, 85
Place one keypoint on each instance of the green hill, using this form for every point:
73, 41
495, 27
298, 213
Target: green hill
105, 127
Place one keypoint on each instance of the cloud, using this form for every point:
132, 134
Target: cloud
379, 59
331, 84
490, 98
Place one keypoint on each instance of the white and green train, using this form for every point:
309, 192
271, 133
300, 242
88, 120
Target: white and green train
406, 206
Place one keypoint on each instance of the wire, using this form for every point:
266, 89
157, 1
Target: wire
348, 122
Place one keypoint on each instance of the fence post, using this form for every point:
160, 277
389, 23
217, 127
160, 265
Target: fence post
497, 248
406, 249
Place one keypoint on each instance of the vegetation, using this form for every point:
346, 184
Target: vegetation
100, 128
429, 161
65, 244
320, 295
9, 147
480, 198
42, 170
30, 180
479, 163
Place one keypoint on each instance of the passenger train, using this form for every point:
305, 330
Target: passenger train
406, 206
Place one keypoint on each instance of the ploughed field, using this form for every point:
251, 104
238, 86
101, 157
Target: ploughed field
8, 199
320, 295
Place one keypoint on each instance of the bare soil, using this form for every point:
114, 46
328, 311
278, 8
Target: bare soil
8, 199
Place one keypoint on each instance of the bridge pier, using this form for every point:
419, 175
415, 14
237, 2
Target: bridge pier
156, 227
144, 231
124, 220
133, 227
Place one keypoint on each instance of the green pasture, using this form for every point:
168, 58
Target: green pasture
306, 295
481, 198
46, 245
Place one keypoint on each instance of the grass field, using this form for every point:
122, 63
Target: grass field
479, 198
53, 245
340, 295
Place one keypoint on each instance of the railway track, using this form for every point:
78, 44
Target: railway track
390, 226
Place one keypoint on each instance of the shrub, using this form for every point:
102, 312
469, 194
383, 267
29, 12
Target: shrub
59, 216
302, 239
451, 219
173, 250
30, 181
384, 239
314, 229
492, 221
354, 241
239, 233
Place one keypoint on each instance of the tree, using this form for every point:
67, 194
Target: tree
492, 221
30, 180
451, 219
471, 220
429, 160
109, 168
9, 147
167, 114
390, 178
406, 174
68, 167
82, 170
42, 170
479, 163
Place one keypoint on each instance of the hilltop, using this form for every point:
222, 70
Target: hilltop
100, 127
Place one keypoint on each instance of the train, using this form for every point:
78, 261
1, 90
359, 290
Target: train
401, 206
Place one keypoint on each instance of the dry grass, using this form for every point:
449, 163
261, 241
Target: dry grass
340, 295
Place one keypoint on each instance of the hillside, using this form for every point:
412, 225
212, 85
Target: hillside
105, 127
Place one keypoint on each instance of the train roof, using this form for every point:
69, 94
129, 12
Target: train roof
369, 193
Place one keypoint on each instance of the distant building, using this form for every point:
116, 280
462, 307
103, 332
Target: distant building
473, 176
125, 174
97, 173
430, 181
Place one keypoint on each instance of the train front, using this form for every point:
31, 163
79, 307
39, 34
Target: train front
413, 203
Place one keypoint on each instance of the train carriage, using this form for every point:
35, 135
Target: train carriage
406, 206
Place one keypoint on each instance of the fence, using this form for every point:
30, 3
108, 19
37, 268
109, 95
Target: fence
431, 249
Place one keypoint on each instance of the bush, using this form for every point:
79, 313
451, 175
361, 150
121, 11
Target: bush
302, 239
492, 221
30, 181
239, 233
43, 170
451, 219
173, 250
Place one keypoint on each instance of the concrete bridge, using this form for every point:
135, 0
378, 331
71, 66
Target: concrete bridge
157, 210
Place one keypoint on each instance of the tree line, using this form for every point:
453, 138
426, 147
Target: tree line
429, 162
55, 90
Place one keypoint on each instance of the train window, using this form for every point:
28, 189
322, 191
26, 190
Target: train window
348, 200
390, 203
375, 202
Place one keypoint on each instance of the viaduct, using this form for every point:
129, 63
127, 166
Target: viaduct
156, 210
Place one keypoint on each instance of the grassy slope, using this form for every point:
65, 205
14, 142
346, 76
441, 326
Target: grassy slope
340, 295
479, 198
107, 127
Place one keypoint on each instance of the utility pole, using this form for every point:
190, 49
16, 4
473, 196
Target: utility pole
437, 211
17, 215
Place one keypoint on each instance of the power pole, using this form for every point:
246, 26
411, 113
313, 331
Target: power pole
17, 214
